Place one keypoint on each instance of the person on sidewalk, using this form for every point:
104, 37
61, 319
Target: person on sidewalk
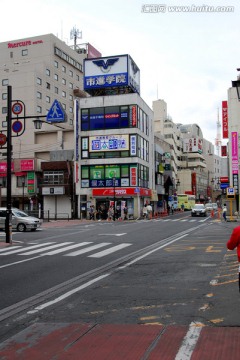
224, 212
234, 242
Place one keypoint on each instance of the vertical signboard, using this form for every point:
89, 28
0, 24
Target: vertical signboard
30, 182
76, 124
224, 119
234, 137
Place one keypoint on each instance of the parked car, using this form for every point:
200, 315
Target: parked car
20, 220
199, 210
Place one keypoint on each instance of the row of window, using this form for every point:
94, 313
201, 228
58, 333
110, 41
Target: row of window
114, 175
21, 181
114, 117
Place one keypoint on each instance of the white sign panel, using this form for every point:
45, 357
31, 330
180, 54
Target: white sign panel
192, 145
109, 143
58, 190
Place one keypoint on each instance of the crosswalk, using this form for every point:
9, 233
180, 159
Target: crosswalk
190, 220
65, 249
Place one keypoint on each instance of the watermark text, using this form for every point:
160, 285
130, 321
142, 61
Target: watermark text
162, 8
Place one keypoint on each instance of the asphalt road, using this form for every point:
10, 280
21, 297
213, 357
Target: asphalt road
171, 271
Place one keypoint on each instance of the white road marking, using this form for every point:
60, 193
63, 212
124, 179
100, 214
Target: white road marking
112, 234
67, 294
152, 251
13, 251
189, 342
67, 248
89, 248
8, 248
46, 248
109, 251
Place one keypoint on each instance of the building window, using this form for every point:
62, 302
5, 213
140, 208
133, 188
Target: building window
3, 181
78, 77
70, 73
4, 82
71, 85
4, 110
39, 95
64, 106
21, 180
47, 72
56, 64
56, 77
39, 109
71, 110
25, 52
48, 85
63, 68
53, 177
56, 90
63, 93
70, 97
39, 81
48, 99
4, 96
64, 81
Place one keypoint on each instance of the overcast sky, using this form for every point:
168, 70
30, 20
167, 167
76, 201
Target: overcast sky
186, 58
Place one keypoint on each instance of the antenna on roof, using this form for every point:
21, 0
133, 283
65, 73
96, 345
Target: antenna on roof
75, 34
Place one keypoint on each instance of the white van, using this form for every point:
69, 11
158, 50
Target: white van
20, 220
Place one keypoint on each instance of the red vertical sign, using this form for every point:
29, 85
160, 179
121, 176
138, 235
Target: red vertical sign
224, 120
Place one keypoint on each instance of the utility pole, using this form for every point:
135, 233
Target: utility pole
8, 224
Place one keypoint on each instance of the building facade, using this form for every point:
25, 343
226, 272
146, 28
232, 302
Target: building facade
40, 70
114, 143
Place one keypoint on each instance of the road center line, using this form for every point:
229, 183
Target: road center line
150, 252
67, 294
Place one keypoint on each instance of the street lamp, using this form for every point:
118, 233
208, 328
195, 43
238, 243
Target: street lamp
114, 179
23, 184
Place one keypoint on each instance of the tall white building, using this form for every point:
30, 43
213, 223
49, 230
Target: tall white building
40, 70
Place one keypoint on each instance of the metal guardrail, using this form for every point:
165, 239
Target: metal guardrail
48, 215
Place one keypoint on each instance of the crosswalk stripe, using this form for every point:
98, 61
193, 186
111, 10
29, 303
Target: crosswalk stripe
67, 248
7, 249
45, 248
90, 248
13, 251
109, 251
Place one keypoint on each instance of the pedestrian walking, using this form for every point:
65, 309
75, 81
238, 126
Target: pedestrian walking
149, 211
144, 212
224, 212
168, 209
182, 206
234, 242
172, 209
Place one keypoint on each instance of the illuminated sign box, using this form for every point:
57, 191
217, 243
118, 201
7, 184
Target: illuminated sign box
111, 72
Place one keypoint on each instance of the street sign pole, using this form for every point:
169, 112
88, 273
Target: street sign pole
8, 224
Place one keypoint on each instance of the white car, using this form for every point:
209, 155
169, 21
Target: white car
199, 210
209, 206
215, 206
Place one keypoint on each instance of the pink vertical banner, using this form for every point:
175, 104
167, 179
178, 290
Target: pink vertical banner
234, 136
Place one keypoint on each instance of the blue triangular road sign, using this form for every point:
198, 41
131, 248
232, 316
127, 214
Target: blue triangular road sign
56, 113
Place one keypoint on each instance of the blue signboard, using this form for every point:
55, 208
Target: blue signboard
56, 113
224, 185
